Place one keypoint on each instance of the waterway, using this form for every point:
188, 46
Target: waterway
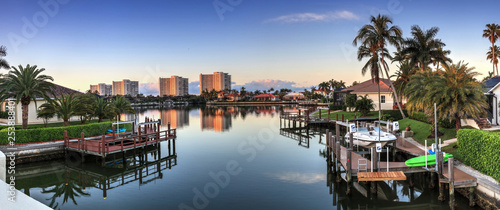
224, 158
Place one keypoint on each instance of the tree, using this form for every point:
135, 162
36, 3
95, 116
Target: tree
454, 90
375, 38
84, 106
493, 56
45, 112
490, 75
350, 101
406, 70
3, 63
423, 48
64, 107
492, 32
364, 105
25, 84
243, 92
102, 109
121, 105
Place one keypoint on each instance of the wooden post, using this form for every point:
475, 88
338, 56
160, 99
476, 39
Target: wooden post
451, 175
320, 113
471, 197
349, 171
133, 127
113, 130
337, 132
374, 159
329, 114
354, 116
82, 135
327, 140
351, 140
168, 129
432, 182
441, 188
439, 159
342, 117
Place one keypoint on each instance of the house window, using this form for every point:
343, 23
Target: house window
382, 99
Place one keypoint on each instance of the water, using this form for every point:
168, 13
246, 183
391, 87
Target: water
225, 158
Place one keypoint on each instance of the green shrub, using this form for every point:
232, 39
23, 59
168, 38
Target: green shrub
420, 116
332, 106
479, 149
57, 133
393, 115
4, 114
446, 123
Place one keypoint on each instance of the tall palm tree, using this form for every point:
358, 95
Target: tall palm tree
423, 48
492, 32
25, 84
493, 57
3, 63
376, 37
454, 90
373, 66
64, 106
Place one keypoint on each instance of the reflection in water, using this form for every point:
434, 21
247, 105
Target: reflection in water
215, 119
297, 177
178, 118
68, 180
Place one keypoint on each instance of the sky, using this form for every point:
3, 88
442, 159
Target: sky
261, 43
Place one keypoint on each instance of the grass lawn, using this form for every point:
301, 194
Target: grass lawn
347, 115
57, 124
423, 130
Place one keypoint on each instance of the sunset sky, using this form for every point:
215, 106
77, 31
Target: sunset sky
261, 43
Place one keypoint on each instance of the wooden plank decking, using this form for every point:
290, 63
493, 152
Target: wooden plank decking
381, 176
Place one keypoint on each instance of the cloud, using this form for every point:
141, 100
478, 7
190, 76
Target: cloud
149, 88
300, 178
314, 17
266, 84
194, 88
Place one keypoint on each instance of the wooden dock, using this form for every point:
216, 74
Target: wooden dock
381, 176
147, 134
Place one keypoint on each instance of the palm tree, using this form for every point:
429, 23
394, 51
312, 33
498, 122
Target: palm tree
45, 112
403, 77
25, 84
3, 63
102, 109
122, 106
375, 38
326, 87
364, 105
492, 32
64, 107
454, 90
373, 65
423, 48
493, 57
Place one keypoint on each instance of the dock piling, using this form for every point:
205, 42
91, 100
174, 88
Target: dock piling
451, 178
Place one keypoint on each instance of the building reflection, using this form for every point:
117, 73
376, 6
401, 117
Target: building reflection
216, 119
177, 118
69, 181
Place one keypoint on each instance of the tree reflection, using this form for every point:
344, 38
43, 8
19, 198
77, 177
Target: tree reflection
70, 190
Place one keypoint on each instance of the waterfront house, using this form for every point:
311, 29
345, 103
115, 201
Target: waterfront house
370, 88
266, 97
323, 92
58, 91
492, 93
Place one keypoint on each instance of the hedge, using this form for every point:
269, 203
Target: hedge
332, 106
479, 149
393, 115
422, 117
57, 133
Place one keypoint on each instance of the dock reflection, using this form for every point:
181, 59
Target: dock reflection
67, 181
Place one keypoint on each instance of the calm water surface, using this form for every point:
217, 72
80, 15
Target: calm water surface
225, 158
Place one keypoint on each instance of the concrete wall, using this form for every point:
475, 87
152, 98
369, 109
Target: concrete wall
3, 166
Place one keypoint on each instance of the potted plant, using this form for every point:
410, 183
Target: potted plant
408, 128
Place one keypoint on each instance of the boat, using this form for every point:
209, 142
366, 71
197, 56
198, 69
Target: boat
117, 131
431, 160
368, 139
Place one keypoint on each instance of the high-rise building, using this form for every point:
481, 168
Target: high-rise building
102, 89
177, 118
173, 86
125, 87
217, 81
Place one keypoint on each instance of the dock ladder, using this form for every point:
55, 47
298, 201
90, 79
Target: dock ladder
363, 162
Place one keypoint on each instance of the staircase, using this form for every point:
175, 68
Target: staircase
483, 123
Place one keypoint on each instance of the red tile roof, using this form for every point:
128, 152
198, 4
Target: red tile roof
370, 86
265, 95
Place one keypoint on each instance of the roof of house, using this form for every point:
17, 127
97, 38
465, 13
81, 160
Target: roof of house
491, 83
369, 86
265, 95
320, 90
61, 90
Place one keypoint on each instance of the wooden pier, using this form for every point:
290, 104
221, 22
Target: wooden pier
146, 134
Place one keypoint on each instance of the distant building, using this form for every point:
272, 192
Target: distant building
217, 81
173, 86
102, 89
266, 97
125, 87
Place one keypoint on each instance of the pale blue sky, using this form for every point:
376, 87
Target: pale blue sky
300, 43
